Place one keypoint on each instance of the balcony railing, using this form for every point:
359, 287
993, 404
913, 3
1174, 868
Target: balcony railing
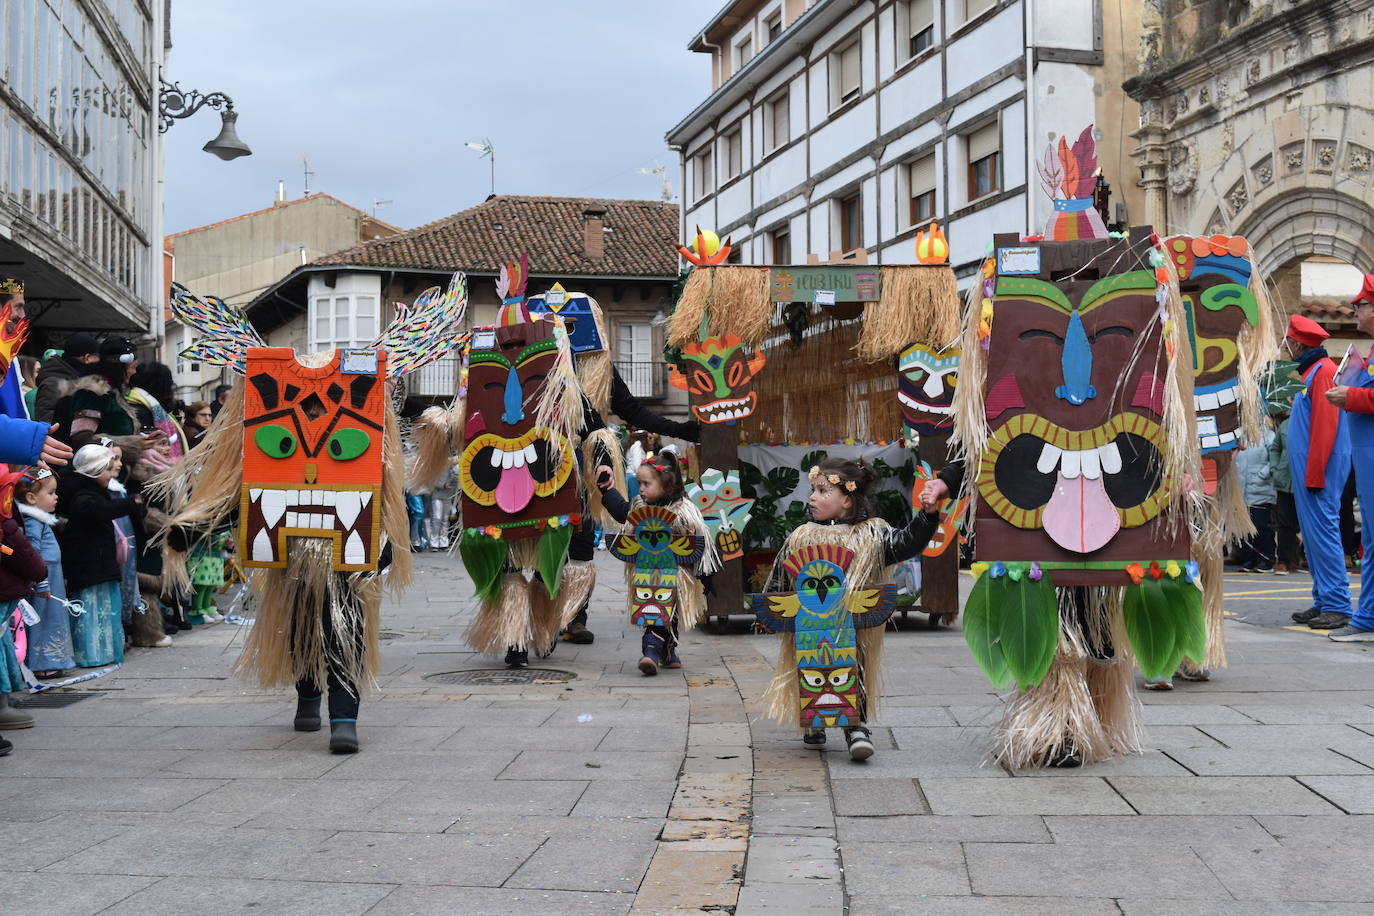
648, 380
438, 379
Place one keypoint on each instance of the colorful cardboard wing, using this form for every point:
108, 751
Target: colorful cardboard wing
1214, 279
312, 456
719, 376
822, 614
426, 330
227, 333
726, 512
925, 388
579, 314
656, 552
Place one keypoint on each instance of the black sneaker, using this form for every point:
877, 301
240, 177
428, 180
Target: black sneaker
517, 658
1304, 616
814, 737
1329, 621
1065, 757
860, 742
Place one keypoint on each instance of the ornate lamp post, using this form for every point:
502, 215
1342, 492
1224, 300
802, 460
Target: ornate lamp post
175, 103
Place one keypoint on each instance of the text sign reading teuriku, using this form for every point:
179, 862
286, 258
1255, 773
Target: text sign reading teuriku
836, 283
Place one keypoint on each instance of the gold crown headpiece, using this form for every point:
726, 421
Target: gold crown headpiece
11, 287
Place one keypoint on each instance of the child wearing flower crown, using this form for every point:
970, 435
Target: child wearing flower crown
50, 640
839, 514
661, 484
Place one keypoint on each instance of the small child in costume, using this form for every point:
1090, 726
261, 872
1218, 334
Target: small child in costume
20, 568
206, 569
94, 499
661, 484
50, 640
842, 529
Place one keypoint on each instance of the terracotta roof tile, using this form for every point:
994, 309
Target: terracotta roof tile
1328, 311
640, 239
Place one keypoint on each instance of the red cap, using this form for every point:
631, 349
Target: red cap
1306, 331
1366, 293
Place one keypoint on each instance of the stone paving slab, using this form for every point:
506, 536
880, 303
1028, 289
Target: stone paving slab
1159, 830
1340, 832
877, 797
216, 896
1220, 795
939, 905
1288, 874
881, 869
1040, 870
1170, 907
70, 895
564, 863
1268, 761
1085, 795
446, 901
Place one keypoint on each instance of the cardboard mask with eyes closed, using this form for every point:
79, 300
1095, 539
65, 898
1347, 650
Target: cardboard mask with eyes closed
312, 455
822, 614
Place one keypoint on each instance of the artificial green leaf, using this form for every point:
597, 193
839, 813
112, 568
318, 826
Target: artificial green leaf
552, 554
1029, 627
1150, 626
483, 558
781, 482
1187, 598
811, 459
982, 621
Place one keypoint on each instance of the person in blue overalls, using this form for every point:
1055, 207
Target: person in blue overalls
1358, 402
1319, 457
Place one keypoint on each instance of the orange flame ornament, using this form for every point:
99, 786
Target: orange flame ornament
932, 248
12, 335
707, 249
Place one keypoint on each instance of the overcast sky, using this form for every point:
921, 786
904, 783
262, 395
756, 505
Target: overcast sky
382, 94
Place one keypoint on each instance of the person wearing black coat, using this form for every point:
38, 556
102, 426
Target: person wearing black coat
91, 499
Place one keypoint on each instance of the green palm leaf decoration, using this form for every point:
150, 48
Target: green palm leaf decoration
982, 632
1029, 627
483, 558
552, 554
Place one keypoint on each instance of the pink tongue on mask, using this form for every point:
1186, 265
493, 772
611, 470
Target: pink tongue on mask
1080, 517
515, 490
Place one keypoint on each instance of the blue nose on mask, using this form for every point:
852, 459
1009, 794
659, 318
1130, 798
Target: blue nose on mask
514, 404
1076, 364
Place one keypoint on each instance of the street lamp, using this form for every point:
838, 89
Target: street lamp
175, 103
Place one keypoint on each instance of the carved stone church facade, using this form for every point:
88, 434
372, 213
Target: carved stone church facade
1257, 119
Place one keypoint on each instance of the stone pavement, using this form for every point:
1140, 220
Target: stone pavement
176, 789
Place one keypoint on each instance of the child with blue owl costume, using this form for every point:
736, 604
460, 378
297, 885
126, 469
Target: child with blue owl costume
830, 598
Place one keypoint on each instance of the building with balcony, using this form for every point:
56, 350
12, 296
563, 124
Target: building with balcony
238, 258
620, 252
81, 163
835, 125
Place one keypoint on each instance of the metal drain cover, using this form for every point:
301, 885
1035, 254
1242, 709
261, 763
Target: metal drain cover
496, 677
52, 699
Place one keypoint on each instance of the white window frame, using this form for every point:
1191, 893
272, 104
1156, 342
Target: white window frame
743, 44
905, 27
838, 95
774, 15
839, 201
972, 9
358, 333
704, 172
781, 101
971, 192
910, 191
733, 169
783, 230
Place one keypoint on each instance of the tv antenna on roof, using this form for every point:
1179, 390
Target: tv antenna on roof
379, 203
309, 174
665, 185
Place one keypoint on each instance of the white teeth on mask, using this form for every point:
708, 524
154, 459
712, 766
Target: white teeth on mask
1206, 402
327, 497
1070, 464
273, 505
1049, 459
255, 494
507, 460
293, 520
367, 497
496, 457
353, 550
347, 504
262, 547
1091, 463
1213, 400
517, 458
531, 456
1110, 457
1226, 396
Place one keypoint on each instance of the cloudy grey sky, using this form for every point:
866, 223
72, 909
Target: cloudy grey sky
382, 94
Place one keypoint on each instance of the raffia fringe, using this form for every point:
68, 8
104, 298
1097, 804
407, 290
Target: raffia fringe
594, 373
577, 582
607, 441
434, 438
503, 621
737, 299
918, 304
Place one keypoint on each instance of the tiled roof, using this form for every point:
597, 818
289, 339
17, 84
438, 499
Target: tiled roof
1327, 311
640, 239
286, 203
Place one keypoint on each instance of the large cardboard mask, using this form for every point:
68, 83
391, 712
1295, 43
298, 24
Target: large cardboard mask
925, 388
1214, 278
1073, 469
312, 455
822, 616
726, 512
576, 310
719, 376
513, 472
656, 553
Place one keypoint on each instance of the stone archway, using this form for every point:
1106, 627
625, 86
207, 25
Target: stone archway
1310, 221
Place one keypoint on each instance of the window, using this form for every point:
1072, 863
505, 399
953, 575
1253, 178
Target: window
921, 184
984, 161
920, 26
975, 8
734, 153
635, 359
342, 321
782, 246
744, 51
777, 123
704, 172
185, 365
849, 210
844, 74
772, 27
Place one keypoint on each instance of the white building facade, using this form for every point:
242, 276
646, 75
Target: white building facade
835, 125
81, 162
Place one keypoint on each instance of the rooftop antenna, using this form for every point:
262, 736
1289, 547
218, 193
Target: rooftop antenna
309, 174
379, 203
281, 191
665, 188
487, 151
